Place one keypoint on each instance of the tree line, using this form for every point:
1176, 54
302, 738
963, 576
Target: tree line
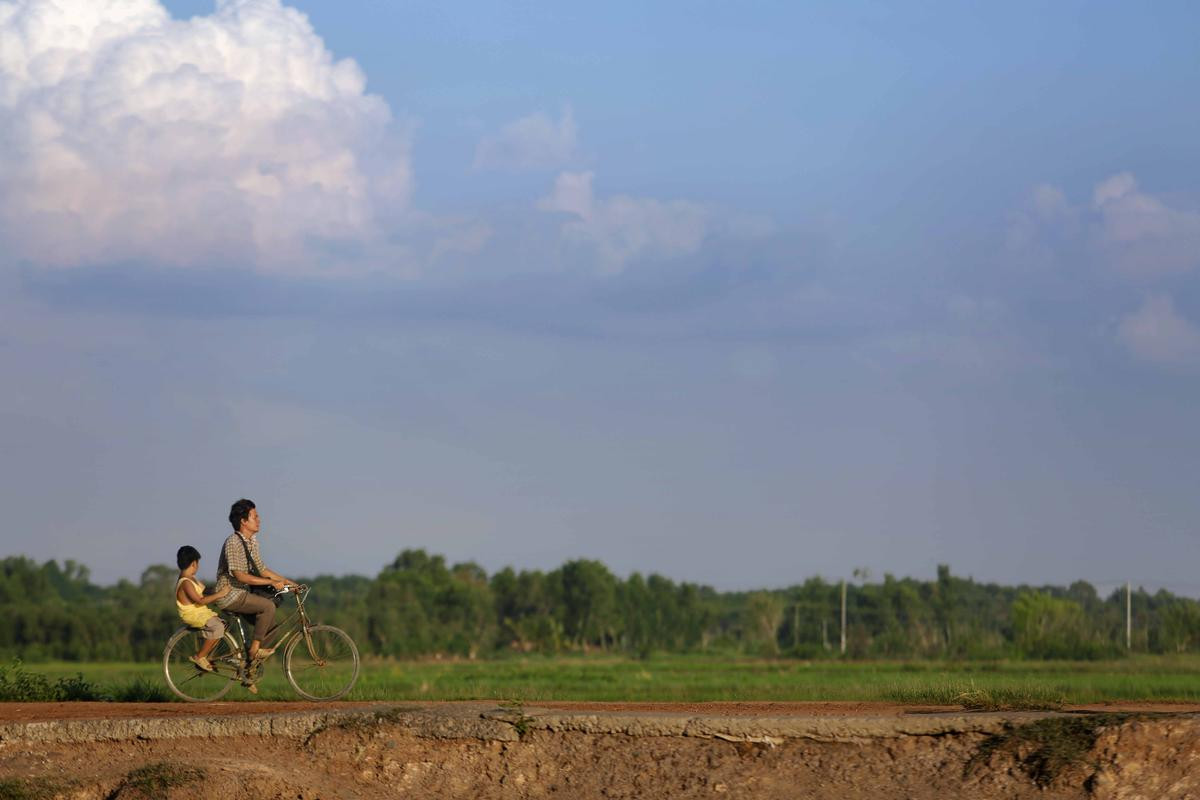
419, 605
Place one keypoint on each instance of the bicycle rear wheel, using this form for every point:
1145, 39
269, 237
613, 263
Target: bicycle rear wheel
189, 681
321, 663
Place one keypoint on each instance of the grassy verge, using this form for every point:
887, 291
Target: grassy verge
19, 683
970, 696
698, 678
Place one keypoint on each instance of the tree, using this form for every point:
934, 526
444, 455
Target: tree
764, 612
1178, 626
589, 594
1051, 627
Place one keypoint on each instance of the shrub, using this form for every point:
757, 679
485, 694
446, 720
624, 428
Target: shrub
140, 690
19, 685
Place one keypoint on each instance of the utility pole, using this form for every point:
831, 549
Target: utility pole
843, 616
1128, 617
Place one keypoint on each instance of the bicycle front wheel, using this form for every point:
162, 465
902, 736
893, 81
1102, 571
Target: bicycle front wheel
321, 663
189, 681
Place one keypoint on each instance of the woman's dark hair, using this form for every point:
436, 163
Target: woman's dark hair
239, 512
186, 555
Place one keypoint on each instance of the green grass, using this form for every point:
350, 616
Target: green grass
696, 678
1044, 748
31, 789
154, 780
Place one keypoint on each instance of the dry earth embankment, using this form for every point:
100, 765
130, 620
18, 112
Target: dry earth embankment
482, 750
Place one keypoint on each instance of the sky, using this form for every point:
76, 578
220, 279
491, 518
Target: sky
736, 293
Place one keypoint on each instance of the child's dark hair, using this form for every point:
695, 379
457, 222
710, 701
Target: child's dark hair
186, 555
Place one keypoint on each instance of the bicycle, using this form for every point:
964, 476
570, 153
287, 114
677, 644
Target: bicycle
320, 661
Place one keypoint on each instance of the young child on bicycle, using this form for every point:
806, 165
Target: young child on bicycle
193, 605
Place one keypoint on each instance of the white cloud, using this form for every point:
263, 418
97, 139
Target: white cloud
1113, 188
619, 228
126, 135
572, 194
1157, 333
1141, 232
1138, 233
530, 142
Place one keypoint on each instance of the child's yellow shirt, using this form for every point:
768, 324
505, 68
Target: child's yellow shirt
191, 613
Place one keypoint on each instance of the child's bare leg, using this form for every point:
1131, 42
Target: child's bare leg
207, 647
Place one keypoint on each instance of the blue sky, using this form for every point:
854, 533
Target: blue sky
739, 293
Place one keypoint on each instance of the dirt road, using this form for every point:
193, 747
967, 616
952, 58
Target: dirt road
32, 712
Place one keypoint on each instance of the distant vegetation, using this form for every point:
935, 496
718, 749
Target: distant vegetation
418, 605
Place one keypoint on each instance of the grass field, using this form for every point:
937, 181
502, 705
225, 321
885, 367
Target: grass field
695, 678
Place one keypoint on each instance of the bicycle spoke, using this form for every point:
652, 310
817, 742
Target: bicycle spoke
185, 678
322, 664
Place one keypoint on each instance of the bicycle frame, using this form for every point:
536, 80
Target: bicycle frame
278, 635
294, 624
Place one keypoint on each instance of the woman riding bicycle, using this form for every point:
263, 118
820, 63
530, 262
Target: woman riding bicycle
241, 567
